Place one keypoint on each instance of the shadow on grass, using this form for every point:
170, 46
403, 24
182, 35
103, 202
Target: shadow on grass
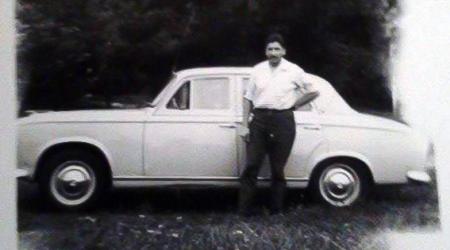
167, 200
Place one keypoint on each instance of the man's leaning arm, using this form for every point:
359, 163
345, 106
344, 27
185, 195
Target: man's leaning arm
244, 130
248, 106
306, 98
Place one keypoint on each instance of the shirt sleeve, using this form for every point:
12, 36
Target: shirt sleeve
249, 91
301, 80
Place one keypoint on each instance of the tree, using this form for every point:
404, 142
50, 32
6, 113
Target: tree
111, 47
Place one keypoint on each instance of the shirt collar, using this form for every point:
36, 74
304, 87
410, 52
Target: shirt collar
282, 67
283, 64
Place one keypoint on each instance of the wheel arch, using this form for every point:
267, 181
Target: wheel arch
360, 163
73, 145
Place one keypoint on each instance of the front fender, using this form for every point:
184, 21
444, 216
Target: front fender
75, 139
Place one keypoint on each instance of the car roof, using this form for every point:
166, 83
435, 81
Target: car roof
328, 101
214, 70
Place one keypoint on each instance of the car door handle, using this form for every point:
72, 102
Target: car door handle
311, 127
227, 126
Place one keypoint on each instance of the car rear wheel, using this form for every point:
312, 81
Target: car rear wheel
340, 184
73, 180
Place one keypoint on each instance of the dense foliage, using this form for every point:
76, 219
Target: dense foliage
69, 49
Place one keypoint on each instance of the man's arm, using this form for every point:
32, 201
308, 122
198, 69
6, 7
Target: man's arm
243, 130
248, 107
306, 98
307, 92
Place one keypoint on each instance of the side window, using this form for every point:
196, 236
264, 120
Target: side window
181, 98
211, 93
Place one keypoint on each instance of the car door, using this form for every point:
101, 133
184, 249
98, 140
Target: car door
192, 133
309, 139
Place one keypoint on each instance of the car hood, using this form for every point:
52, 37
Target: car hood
359, 120
131, 115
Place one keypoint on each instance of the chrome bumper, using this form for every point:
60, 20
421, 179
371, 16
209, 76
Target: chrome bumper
21, 173
417, 176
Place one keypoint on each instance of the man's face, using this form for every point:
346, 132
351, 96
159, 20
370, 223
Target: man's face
274, 53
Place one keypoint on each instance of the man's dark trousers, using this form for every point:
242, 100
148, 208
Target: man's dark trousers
272, 132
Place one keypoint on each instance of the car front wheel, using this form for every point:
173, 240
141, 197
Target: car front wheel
340, 184
73, 180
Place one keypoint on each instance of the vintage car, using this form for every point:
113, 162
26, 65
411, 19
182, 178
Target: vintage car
189, 134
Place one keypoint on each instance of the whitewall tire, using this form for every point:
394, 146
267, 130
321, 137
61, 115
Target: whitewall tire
73, 179
340, 184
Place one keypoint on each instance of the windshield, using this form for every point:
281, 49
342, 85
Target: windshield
164, 91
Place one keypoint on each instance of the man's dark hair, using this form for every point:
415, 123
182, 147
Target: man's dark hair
275, 37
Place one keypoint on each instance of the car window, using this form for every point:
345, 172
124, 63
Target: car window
211, 93
181, 98
246, 80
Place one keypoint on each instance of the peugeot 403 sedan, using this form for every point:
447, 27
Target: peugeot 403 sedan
189, 134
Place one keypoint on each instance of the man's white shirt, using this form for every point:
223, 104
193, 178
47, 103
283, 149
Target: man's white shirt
278, 88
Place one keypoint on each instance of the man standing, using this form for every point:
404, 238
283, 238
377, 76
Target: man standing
276, 88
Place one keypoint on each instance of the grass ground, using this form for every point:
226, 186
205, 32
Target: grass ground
179, 218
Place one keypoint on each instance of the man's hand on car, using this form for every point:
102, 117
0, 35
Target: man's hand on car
244, 132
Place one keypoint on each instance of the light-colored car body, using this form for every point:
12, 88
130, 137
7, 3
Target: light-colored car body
161, 144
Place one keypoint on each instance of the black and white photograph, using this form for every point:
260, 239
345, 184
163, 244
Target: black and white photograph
239, 124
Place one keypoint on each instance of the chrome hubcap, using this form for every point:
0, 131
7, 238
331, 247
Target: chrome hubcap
339, 185
72, 183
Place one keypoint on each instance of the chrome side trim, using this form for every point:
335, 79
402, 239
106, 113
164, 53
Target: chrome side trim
174, 181
325, 125
71, 122
195, 178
